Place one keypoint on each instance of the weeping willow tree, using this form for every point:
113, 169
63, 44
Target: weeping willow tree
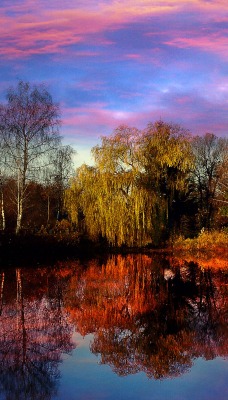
108, 197
166, 159
120, 198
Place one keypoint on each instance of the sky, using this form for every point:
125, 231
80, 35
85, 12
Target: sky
115, 62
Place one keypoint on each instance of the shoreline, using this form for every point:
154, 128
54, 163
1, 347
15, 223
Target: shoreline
36, 250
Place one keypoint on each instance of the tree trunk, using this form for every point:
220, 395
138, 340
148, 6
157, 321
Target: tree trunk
19, 218
19, 214
1, 291
20, 192
3, 213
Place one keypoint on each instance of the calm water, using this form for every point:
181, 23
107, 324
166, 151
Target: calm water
134, 327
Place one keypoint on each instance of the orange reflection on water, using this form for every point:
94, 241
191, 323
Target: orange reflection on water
150, 314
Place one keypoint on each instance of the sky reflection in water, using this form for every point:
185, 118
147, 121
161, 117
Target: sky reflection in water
134, 327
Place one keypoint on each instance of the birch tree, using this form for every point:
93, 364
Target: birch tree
29, 123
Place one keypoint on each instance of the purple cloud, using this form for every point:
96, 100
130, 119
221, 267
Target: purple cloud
131, 62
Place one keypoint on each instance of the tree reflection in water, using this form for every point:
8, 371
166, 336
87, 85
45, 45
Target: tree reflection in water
150, 314
147, 313
34, 332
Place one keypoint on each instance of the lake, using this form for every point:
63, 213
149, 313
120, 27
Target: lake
145, 327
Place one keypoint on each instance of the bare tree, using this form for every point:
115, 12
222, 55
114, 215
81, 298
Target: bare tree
56, 176
209, 173
29, 125
63, 171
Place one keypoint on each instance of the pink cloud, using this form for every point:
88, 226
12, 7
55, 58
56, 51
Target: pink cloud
134, 56
80, 116
28, 29
190, 110
90, 85
214, 43
78, 120
48, 33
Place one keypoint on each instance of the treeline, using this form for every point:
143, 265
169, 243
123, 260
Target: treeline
34, 165
146, 186
151, 185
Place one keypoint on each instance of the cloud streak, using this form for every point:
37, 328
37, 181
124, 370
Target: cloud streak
54, 30
110, 62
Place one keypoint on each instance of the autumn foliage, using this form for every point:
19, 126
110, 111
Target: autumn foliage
149, 186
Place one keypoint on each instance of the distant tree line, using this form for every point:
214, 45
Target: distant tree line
34, 166
151, 185
146, 186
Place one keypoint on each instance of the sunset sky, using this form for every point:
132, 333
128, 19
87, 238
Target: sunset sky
115, 62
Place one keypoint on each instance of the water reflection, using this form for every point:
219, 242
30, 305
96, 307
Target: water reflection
34, 331
151, 314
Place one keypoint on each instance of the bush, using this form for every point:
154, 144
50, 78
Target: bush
206, 241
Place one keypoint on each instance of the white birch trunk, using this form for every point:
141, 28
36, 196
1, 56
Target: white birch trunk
19, 202
19, 218
3, 213
1, 292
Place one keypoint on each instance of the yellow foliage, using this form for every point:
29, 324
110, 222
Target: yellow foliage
206, 241
122, 197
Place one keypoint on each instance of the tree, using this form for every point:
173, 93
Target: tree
166, 159
82, 200
55, 180
127, 197
29, 125
62, 164
106, 197
122, 202
209, 175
